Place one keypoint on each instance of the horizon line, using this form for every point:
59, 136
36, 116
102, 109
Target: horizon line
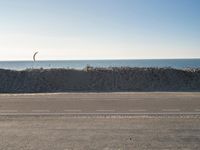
105, 59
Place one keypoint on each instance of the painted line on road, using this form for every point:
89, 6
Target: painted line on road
21, 98
171, 110
72, 110
137, 110
104, 110
103, 113
40, 111
8, 111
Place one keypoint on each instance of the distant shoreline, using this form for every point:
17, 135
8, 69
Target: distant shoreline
117, 79
80, 64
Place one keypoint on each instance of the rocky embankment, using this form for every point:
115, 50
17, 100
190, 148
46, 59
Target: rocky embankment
99, 80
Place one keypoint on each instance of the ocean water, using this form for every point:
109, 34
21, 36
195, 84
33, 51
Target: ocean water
80, 64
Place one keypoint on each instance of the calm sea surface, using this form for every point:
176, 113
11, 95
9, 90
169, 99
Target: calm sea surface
80, 64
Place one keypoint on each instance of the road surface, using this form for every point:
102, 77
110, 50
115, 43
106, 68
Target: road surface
82, 104
114, 121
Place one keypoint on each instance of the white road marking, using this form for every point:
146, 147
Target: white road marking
32, 94
171, 110
104, 110
40, 111
8, 111
72, 110
104, 113
31, 97
137, 110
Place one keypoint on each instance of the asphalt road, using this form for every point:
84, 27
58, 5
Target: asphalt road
155, 103
68, 121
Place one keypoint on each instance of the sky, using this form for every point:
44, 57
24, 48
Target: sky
99, 29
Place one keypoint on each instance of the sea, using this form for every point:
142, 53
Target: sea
80, 64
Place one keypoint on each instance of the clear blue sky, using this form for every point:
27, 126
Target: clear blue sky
99, 29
